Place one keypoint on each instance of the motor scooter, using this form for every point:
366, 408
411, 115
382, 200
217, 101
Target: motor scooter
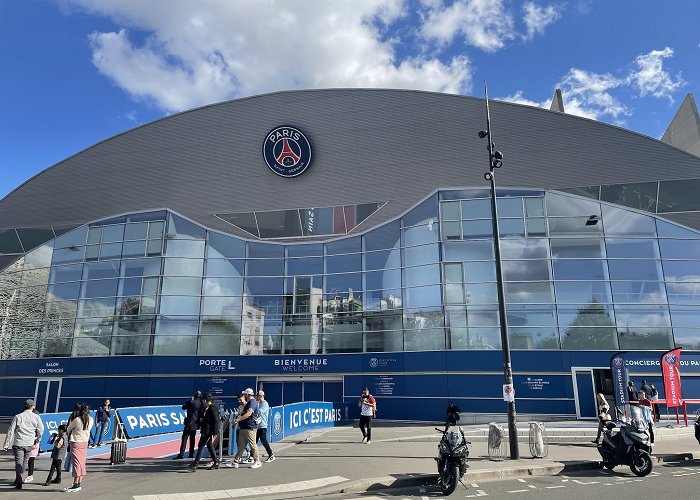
453, 451
627, 443
697, 426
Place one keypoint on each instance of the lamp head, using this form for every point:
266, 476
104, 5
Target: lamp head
482, 134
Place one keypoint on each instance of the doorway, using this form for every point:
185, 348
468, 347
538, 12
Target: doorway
280, 390
48, 394
589, 381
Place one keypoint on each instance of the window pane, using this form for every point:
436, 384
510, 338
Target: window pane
345, 245
154, 247
531, 248
382, 260
66, 255
96, 308
588, 191
219, 344
266, 267
645, 338
181, 286
420, 235
574, 227
481, 293
220, 267
688, 338
451, 230
109, 251
304, 266
385, 237
644, 316
579, 269
477, 229
134, 249
636, 269
225, 246
422, 213
453, 273
476, 209
630, 248
529, 293
468, 250
138, 231
577, 248
137, 345
679, 196
639, 292
426, 254
511, 227
183, 326
183, 229
589, 338
422, 275
223, 286
669, 230
184, 248
100, 288
384, 341
264, 286
589, 315
526, 270
454, 293
685, 316
534, 207
680, 249
570, 206
174, 345
221, 306
281, 224
531, 315
424, 340
101, 270
533, 338
424, 296
536, 227
94, 235
380, 280
625, 222
177, 305
141, 267
66, 273
112, 233
130, 287
344, 263
482, 316
475, 338
183, 267
641, 195
226, 327
64, 291
450, 210
89, 346
382, 300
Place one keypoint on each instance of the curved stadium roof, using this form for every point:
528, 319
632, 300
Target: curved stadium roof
368, 146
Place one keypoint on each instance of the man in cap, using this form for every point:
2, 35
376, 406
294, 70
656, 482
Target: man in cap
24, 432
248, 421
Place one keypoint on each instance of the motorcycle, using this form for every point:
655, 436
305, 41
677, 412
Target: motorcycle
453, 451
627, 443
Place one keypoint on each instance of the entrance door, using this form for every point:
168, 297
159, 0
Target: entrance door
584, 393
279, 391
47, 394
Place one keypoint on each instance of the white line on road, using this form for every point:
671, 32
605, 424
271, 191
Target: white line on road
585, 482
474, 485
522, 480
532, 486
306, 453
552, 487
518, 491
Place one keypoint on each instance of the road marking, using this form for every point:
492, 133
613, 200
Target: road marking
474, 485
306, 453
552, 487
531, 486
260, 491
585, 482
518, 491
479, 493
522, 480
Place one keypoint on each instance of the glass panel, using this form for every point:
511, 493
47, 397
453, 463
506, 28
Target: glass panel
422, 275
110, 251
307, 250
217, 287
184, 248
426, 254
345, 245
468, 250
382, 300
685, 316
33, 237
134, 249
100, 288
579, 269
477, 229
424, 340
225, 246
423, 296
66, 255
264, 286
637, 269
450, 210
183, 326
591, 314
589, 338
420, 235
452, 230
183, 229
533, 338
526, 270
380, 280
645, 316
625, 222
511, 227
64, 291
683, 293
454, 293
482, 316
266, 267
93, 327
181, 286
141, 267
530, 248
176, 305
174, 345
680, 249
453, 273
640, 195
529, 293
137, 345
575, 226
388, 259
112, 233
422, 213
147, 216
679, 196
582, 292
645, 338
72, 238
689, 338
570, 206
481, 293
475, 338
138, 231
94, 235
536, 227
587, 191
90, 346
183, 267
479, 271
530, 315
344, 263
669, 230
476, 209
227, 327
220, 267
577, 248
96, 308
304, 266
384, 341
265, 251
66, 273
341, 342
130, 287
139, 327
92, 252
509, 207
245, 221
219, 345
221, 306
154, 247
534, 207
283, 224
629, 248
339, 283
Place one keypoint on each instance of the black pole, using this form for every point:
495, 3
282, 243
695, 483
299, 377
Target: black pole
495, 161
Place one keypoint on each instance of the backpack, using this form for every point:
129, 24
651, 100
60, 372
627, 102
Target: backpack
654, 392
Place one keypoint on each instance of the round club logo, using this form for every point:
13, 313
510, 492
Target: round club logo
287, 151
373, 362
671, 359
277, 424
618, 362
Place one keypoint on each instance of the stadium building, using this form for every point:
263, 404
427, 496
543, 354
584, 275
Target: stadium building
314, 242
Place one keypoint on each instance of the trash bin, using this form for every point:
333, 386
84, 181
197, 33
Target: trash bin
539, 444
497, 441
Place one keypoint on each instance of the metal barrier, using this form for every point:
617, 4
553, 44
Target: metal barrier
497, 441
538, 440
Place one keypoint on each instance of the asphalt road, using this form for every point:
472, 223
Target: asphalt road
677, 480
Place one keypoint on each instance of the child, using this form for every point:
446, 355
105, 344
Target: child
58, 454
30, 463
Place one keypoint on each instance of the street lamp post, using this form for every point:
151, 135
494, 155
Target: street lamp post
496, 161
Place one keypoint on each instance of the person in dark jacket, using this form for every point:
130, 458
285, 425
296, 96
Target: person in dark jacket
209, 424
193, 408
102, 417
632, 394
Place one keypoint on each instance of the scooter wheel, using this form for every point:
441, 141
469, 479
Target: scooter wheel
641, 464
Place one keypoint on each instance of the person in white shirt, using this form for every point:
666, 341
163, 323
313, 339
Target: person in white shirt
24, 432
78, 433
368, 408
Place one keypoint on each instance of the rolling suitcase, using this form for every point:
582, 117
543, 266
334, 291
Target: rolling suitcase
119, 446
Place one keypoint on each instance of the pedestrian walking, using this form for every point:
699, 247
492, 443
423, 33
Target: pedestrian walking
58, 454
603, 415
209, 423
368, 409
632, 394
248, 422
261, 435
654, 397
30, 463
78, 432
102, 417
68, 462
189, 432
25, 431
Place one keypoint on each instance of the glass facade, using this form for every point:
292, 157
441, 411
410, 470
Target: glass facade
580, 274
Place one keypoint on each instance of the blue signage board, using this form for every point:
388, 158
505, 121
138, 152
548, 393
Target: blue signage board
151, 420
51, 422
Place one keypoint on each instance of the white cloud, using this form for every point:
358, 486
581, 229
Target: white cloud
537, 18
485, 24
600, 95
181, 54
651, 78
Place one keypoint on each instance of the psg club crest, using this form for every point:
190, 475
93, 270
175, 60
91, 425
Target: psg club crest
671, 359
373, 362
287, 151
277, 424
618, 362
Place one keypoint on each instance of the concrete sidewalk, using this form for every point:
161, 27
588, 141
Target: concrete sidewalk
332, 462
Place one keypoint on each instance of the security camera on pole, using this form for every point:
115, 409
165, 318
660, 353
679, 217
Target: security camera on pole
496, 161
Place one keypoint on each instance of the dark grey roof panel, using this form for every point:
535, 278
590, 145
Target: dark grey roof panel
368, 146
684, 130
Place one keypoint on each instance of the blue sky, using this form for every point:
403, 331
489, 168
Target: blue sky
75, 72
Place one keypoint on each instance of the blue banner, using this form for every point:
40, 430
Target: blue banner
620, 377
51, 422
151, 420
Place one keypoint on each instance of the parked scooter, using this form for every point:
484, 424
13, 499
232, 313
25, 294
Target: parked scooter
453, 451
697, 426
627, 444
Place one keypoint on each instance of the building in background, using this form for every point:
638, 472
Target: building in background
171, 254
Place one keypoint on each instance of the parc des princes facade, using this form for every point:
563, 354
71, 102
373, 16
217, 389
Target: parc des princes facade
314, 242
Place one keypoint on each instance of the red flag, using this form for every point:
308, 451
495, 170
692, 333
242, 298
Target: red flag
671, 370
